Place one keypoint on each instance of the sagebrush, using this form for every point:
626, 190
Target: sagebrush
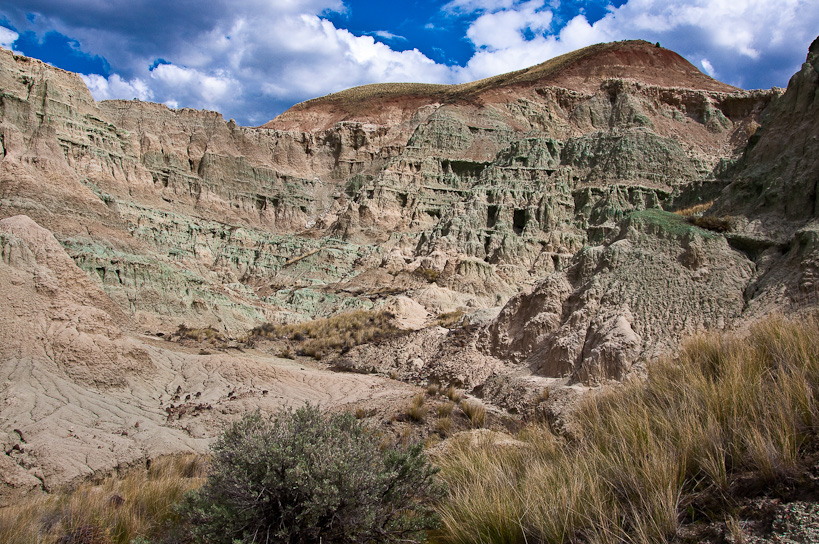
304, 477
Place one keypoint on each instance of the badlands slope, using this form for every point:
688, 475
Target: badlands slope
538, 203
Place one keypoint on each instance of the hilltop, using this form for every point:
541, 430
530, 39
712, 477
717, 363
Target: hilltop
580, 71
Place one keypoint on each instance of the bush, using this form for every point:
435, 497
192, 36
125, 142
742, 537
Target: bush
303, 476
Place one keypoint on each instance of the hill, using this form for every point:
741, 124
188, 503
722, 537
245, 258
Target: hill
507, 236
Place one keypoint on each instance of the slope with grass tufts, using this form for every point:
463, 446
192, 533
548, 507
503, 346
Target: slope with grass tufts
730, 418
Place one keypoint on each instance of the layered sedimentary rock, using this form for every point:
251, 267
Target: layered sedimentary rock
187, 218
635, 297
536, 202
656, 278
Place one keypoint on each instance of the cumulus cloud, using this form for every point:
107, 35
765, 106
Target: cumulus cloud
249, 59
7, 37
114, 86
749, 42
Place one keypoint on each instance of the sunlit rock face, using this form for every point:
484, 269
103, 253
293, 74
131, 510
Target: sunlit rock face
532, 209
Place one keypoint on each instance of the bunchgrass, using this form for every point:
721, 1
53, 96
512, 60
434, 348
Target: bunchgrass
728, 414
453, 394
696, 209
445, 409
321, 337
475, 411
450, 320
120, 509
417, 411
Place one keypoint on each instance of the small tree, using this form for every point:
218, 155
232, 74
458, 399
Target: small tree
306, 477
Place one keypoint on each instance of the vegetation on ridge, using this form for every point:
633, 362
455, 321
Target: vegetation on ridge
385, 91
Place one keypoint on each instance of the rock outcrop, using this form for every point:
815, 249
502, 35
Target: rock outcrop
187, 218
535, 203
633, 298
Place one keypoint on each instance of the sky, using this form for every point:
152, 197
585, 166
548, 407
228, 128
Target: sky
252, 59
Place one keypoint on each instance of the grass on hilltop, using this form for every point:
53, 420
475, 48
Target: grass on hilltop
728, 417
357, 96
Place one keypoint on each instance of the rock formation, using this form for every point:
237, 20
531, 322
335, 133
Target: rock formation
537, 203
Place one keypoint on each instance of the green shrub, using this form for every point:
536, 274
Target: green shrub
303, 476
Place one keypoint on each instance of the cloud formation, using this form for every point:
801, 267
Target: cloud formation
251, 59
7, 37
751, 43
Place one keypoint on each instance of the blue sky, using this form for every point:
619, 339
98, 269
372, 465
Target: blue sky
252, 59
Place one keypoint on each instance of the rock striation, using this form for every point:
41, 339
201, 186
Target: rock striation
187, 218
537, 204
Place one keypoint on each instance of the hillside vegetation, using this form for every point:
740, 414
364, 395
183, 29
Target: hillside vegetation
730, 417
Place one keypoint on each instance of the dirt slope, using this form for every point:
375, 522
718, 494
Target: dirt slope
81, 395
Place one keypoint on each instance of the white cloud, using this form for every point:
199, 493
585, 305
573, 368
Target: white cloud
7, 37
504, 29
193, 86
743, 40
250, 59
386, 35
503, 45
708, 67
477, 6
114, 86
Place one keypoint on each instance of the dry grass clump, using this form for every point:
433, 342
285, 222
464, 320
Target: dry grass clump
712, 222
417, 411
450, 320
696, 209
453, 394
475, 411
120, 509
726, 416
207, 334
696, 216
334, 334
429, 274
445, 409
433, 389
443, 425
